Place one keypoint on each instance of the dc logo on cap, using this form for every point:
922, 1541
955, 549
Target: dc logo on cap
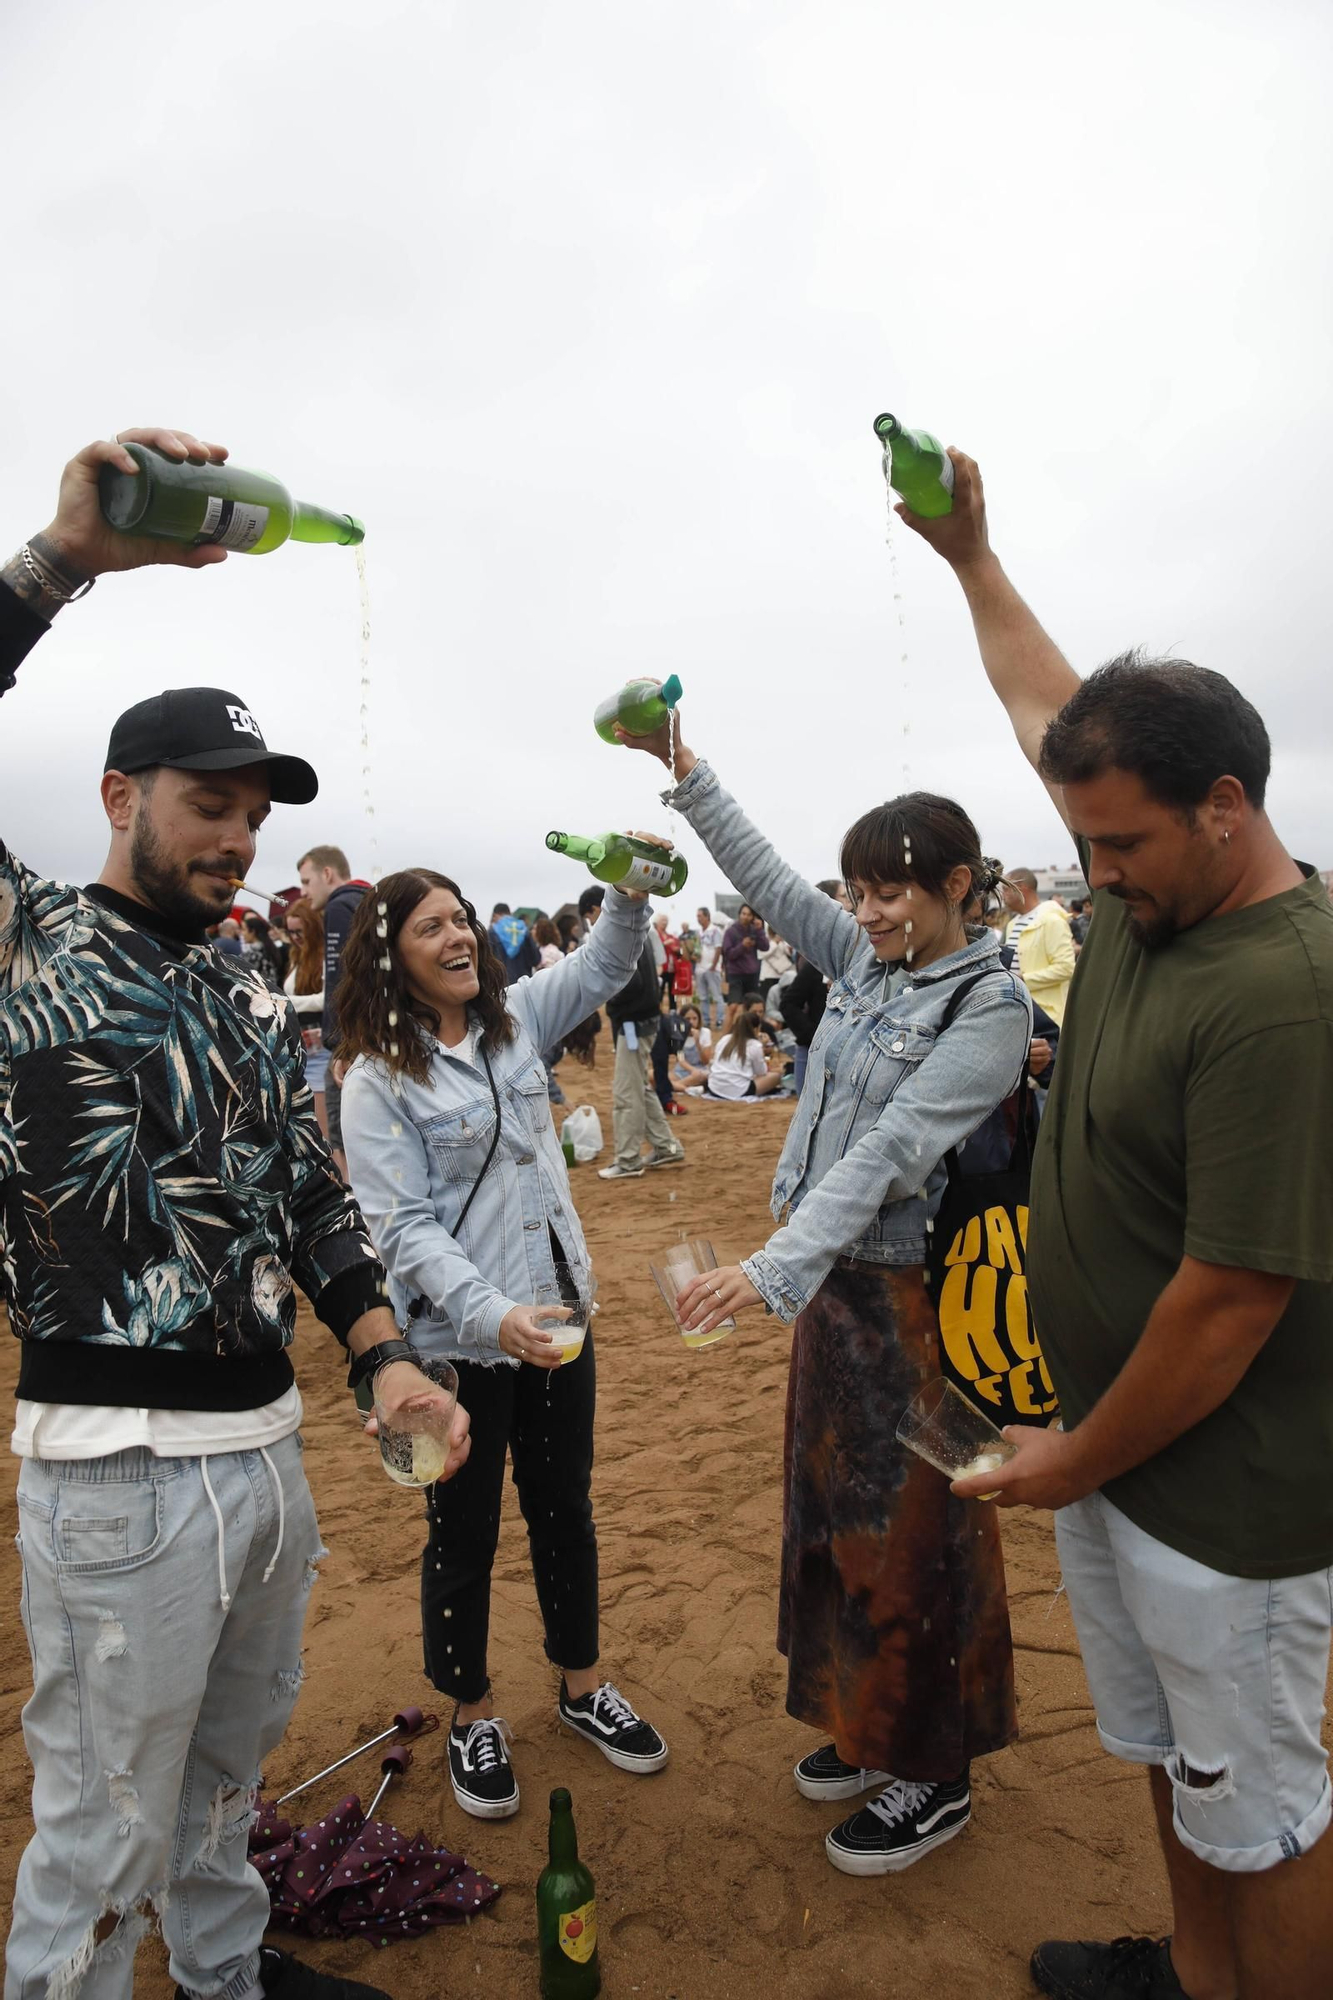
243, 722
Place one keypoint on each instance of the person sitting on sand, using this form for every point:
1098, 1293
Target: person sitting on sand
892, 1614
452, 1147
691, 1069
738, 1068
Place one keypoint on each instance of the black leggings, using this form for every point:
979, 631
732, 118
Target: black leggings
544, 1419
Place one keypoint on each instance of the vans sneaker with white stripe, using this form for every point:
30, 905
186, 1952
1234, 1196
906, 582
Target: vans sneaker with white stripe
898, 1827
605, 1718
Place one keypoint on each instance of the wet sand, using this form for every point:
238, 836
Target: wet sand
711, 1877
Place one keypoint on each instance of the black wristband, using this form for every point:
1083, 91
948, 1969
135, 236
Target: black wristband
375, 1358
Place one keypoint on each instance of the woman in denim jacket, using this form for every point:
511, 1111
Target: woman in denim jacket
445, 1108
893, 1615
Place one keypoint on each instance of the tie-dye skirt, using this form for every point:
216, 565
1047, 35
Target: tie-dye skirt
893, 1615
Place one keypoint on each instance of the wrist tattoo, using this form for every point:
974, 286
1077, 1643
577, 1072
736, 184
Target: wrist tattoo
42, 577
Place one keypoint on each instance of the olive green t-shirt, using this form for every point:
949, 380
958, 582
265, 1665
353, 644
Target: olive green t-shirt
1191, 1114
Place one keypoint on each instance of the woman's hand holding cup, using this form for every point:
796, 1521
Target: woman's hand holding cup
522, 1337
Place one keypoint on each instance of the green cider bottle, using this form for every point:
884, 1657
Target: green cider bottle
245, 511
628, 863
916, 466
566, 1913
639, 707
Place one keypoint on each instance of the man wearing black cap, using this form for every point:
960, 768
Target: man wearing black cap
162, 1183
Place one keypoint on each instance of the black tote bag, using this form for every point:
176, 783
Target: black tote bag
978, 1278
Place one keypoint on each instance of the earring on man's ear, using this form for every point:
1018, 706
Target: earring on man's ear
1226, 836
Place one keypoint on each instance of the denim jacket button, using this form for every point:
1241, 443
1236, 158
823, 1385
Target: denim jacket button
532, 1225
526, 1159
898, 1048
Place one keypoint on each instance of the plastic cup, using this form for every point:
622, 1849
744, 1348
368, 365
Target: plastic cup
569, 1334
673, 1270
950, 1433
414, 1446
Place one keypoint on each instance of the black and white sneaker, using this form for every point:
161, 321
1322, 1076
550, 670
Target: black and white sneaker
605, 1718
823, 1775
479, 1768
898, 1827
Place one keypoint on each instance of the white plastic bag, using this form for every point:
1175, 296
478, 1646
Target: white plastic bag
583, 1129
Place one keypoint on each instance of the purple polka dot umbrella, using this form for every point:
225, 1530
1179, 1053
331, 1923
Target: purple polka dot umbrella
349, 1875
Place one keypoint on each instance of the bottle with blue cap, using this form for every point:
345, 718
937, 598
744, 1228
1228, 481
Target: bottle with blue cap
639, 707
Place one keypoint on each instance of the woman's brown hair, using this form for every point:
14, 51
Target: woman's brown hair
308, 955
919, 838
744, 1030
377, 1016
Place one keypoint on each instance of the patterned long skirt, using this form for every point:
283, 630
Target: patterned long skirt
893, 1614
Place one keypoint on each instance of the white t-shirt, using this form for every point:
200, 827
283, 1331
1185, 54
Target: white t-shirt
94, 1430
710, 945
730, 1075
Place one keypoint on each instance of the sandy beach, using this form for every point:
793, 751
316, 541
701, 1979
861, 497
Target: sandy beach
711, 1877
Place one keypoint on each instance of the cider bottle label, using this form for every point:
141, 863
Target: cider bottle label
232, 524
646, 875
578, 1932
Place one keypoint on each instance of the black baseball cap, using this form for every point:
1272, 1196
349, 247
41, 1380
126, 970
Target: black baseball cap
204, 729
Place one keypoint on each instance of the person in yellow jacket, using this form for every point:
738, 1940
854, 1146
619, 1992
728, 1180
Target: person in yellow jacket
1044, 941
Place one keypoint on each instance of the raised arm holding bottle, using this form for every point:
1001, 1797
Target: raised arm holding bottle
923, 1035
157, 1411
1181, 1274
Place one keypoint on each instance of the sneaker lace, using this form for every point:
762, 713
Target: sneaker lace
1136, 1958
899, 1801
611, 1703
483, 1746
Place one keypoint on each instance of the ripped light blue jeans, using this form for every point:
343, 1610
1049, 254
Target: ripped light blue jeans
164, 1600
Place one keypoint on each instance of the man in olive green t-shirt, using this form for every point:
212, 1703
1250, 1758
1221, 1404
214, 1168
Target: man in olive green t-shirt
1180, 1263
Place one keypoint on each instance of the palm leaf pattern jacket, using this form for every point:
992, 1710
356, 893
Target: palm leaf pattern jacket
163, 1179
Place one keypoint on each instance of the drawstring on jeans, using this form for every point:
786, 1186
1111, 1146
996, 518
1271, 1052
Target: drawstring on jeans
282, 1511
223, 1592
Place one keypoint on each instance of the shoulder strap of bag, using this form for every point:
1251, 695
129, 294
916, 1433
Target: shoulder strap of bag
1021, 1157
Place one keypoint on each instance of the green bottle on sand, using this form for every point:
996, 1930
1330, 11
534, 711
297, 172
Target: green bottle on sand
916, 466
625, 861
639, 707
245, 511
566, 1913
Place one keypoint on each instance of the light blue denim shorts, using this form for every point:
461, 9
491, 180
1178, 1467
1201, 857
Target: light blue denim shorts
1219, 1679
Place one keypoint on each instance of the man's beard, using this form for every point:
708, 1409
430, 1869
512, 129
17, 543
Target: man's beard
1152, 932
165, 883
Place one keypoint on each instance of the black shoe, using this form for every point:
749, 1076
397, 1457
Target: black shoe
480, 1771
823, 1775
286, 1978
1130, 1968
605, 1718
898, 1827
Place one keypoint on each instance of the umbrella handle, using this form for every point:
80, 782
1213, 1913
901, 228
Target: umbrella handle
407, 1722
395, 1764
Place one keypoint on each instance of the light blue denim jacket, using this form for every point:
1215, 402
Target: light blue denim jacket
414, 1151
886, 1095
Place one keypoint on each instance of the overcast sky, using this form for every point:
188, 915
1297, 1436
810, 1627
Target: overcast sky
587, 310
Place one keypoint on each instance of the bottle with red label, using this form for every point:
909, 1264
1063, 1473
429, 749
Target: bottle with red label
566, 1913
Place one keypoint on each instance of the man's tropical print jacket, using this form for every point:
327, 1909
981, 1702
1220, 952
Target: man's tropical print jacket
162, 1175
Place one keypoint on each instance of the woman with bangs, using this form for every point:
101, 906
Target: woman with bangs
892, 1611
459, 1174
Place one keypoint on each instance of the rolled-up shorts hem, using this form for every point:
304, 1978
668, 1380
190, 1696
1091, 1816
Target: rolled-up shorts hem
1133, 1753
1288, 1846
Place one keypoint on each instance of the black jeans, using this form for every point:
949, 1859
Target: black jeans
545, 1421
